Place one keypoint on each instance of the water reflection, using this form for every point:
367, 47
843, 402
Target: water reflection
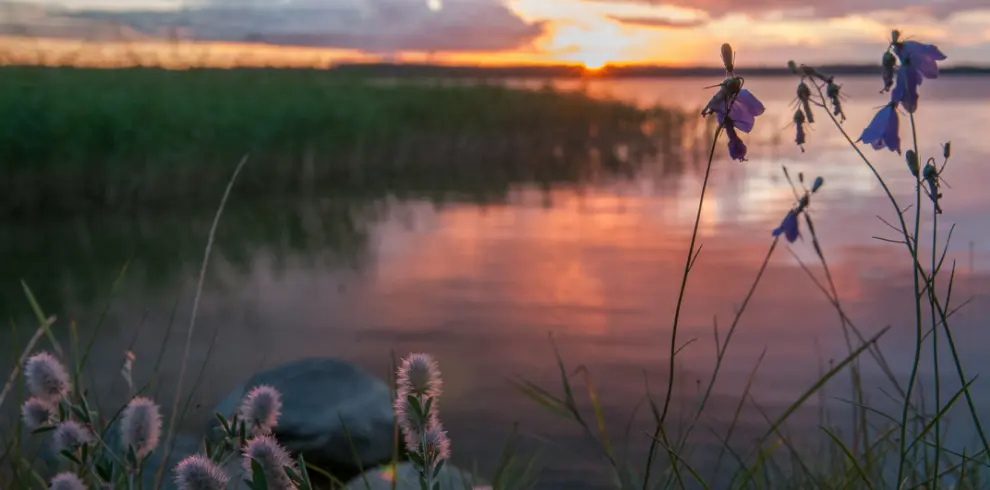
481, 286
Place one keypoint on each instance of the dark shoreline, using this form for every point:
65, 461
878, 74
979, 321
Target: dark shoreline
409, 70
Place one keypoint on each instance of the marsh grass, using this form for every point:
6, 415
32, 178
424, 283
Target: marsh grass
144, 135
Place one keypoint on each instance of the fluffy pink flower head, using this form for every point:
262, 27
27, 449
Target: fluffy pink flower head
197, 472
70, 434
272, 458
66, 481
141, 426
412, 425
260, 410
419, 374
37, 412
46, 377
437, 443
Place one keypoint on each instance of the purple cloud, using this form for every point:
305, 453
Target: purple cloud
374, 26
833, 8
657, 22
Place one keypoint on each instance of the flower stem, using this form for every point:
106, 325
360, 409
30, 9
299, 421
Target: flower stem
677, 310
938, 383
919, 332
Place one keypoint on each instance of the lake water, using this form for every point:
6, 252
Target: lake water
482, 286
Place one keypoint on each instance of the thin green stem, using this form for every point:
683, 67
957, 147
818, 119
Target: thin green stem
919, 330
938, 383
677, 309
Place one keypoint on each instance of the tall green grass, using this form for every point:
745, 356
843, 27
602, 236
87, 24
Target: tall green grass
81, 136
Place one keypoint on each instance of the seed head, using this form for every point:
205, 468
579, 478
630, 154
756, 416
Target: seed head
46, 377
197, 472
66, 481
419, 374
141, 426
272, 458
261, 409
37, 412
71, 434
728, 58
947, 150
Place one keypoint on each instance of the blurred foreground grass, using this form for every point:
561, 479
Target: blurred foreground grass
74, 137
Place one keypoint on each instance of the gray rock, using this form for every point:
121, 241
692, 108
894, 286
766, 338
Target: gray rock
320, 397
451, 478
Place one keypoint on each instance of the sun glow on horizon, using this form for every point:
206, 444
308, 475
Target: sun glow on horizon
594, 63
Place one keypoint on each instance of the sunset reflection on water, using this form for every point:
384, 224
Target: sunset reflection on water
483, 286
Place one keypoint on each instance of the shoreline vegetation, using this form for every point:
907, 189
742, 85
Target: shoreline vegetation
91, 137
871, 447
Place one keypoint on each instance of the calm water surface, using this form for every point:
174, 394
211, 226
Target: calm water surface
482, 287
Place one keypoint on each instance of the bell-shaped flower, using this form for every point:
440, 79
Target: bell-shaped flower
743, 112
921, 57
737, 147
883, 130
789, 226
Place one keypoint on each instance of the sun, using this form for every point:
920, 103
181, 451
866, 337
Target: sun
594, 62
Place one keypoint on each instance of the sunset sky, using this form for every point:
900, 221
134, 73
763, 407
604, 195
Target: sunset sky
593, 32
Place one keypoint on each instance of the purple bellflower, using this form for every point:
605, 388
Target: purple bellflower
743, 112
789, 226
737, 148
883, 130
735, 107
918, 61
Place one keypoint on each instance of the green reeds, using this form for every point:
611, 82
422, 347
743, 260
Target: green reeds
104, 137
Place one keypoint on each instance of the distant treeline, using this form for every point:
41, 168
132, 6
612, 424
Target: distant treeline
403, 70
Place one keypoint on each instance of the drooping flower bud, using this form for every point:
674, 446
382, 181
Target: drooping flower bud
804, 95
947, 150
800, 136
818, 184
895, 36
728, 58
912, 162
